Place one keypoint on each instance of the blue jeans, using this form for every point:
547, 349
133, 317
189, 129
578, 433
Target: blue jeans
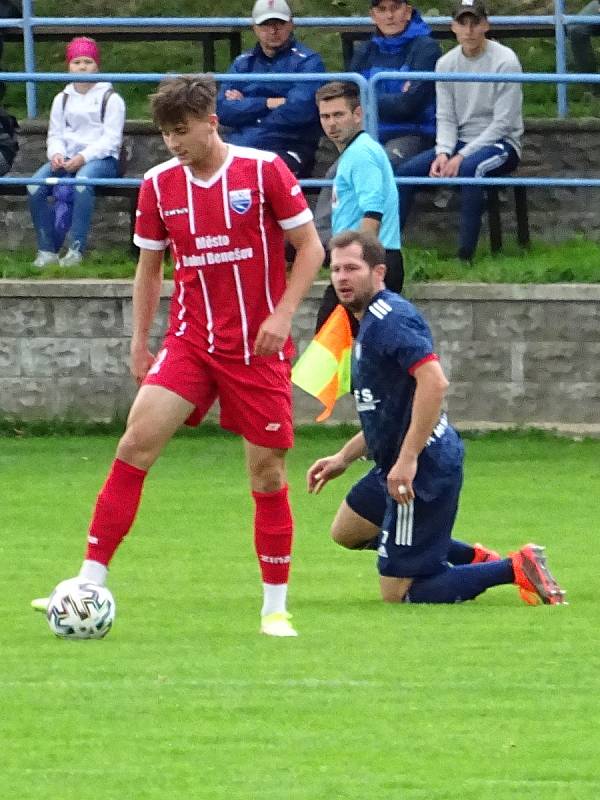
492, 160
42, 212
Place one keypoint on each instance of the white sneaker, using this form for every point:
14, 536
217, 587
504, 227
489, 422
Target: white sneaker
40, 604
277, 624
71, 258
44, 258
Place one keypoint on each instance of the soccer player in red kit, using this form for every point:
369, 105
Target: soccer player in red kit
224, 211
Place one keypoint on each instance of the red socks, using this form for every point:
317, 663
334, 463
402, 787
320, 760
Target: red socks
273, 531
115, 511
118, 502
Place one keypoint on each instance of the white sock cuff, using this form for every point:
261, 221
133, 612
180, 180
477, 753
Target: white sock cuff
93, 571
274, 598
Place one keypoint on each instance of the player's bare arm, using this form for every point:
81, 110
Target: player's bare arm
330, 467
146, 297
427, 404
309, 256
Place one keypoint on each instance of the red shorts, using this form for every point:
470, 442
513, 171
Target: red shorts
255, 400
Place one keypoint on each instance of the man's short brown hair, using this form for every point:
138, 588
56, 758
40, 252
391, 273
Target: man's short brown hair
373, 252
334, 89
183, 96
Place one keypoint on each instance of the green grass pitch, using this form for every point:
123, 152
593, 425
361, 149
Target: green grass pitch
488, 700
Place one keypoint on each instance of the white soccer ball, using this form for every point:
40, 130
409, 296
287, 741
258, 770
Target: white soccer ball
78, 609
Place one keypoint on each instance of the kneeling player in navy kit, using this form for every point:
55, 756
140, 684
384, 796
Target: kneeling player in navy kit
410, 498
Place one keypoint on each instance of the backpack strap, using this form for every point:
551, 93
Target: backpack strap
105, 98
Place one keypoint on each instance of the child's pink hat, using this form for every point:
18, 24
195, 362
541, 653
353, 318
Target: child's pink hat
83, 46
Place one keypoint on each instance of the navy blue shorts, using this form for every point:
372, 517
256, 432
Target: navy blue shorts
368, 497
415, 537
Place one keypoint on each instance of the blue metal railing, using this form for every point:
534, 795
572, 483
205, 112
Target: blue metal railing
562, 79
368, 98
29, 23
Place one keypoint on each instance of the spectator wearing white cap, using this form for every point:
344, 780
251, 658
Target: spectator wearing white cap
274, 115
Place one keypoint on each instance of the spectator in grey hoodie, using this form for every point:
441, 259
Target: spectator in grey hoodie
479, 125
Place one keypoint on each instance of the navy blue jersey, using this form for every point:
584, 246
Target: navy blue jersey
392, 342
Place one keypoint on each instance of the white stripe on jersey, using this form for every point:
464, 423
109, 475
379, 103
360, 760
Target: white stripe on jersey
263, 235
294, 222
209, 316
252, 152
238, 286
404, 524
213, 178
158, 168
380, 309
182, 310
226, 201
190, 200
149, 244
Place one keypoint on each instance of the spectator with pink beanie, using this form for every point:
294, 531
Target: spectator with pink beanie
85, 134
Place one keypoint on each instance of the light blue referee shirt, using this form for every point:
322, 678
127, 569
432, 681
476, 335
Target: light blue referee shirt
364, 186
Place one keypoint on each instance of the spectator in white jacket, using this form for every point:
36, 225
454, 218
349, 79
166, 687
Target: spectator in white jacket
85, 135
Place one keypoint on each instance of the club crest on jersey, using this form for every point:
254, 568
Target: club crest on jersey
240, 200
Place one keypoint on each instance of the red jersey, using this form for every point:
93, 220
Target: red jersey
227, 242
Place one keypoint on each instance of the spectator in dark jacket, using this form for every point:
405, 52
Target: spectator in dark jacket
401, 43
9, 144
276, 116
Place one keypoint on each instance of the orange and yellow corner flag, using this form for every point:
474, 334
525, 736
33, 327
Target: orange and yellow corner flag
323, 370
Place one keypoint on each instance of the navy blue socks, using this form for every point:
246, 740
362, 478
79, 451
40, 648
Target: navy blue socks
460, 583
460, 552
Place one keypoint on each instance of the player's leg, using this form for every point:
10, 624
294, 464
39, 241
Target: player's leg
256, 402
414, 547
527, 568
353, 531
464, 553
273, 533
411, 546
154, 417
359, 517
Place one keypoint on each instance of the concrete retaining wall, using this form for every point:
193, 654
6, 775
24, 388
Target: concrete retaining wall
516, 355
